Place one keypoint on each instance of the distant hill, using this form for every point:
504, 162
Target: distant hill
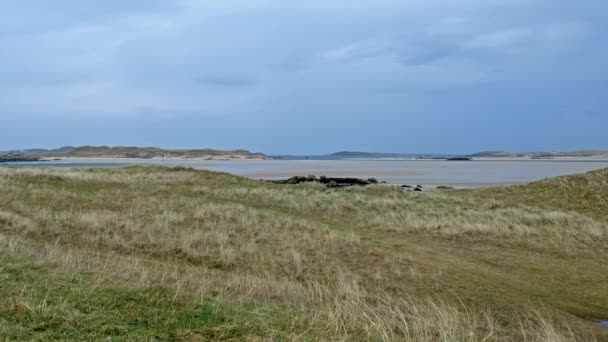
65, 149
582, 153
364, 155
353, 154
39, 150
495, 154
141, 152
380, 155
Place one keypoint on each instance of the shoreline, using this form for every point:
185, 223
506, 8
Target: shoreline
481, 173
232, 158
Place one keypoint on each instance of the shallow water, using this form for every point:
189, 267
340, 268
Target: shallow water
602, 324
474, 173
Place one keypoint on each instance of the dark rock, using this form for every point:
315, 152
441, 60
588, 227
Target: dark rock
417, 189
419, 186
344, 181
406, 186
460, 159
339, 181
445, 187
296, 180
332, 184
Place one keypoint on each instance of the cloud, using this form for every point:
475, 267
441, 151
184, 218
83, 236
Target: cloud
225, 80
428, 54
385, 61
503, 39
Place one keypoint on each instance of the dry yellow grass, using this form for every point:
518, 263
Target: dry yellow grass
240, 259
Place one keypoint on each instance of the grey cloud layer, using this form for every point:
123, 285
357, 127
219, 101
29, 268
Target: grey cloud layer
388, 61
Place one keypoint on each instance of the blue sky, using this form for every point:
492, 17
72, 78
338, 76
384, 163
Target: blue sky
305, 77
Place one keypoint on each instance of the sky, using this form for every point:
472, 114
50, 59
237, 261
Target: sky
305, 77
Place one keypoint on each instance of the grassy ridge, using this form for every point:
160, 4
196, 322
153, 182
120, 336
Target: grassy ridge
584, 193
183, 254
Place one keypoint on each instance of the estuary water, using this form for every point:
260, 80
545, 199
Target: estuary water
475, 173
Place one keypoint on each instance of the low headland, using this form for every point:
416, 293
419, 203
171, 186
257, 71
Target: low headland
84, 152
573, 154
178, 254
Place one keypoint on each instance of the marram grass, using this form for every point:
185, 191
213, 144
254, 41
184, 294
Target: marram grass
157, 253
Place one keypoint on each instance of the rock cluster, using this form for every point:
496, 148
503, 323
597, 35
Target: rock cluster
409, 187
330, 182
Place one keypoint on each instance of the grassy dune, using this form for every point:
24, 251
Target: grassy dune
144, 152
150, 252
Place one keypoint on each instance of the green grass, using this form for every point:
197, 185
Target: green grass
151, 252
74, 306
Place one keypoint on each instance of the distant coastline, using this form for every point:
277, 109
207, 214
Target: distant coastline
82, 152
541, 155
131, 152
353, 155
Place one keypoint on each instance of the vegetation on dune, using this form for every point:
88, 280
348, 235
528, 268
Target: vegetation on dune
585, 193
16, 158
152, 252
144, 152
